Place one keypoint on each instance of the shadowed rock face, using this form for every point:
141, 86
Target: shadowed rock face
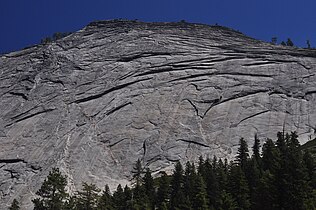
99, 99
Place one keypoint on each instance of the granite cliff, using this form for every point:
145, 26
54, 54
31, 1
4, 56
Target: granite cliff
95, 101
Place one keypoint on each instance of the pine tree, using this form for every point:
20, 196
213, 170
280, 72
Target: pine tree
221, 174
238, 187
200, 168
88, 197
137, 172
214, 162
128, 198
105, 201
267, 198
253, 175
212, 186
242, 154
148, 184
189, 181
119, 198
14, 205
310, 165
281, 173
274, 40
138, 194
256, 150
71, 203
199, 201
310, 201
177, 197
52, 192
46, 40
289, 42
227, 202
270, 157
294, 182
163, 191
281, 144
163, 206
308, 43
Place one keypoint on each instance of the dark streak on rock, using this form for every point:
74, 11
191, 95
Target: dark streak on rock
111, 111
220, 74
56, 82
115, 143
16, 160
193, 105
142, 55
144, 148
129, 74
31, 115
190, 77
23, 113
36, 168
37, 113
196, 86
153, 123
193, 142
172, 160
277, 61
166, 69
14, 174
154, 159
310, 92
259, 63
93, 97
228, 59
244, 74
247, 118
290, 95
19, 94
238, 96
182, 63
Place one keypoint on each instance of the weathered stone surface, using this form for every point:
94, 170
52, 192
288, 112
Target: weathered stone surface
96, 101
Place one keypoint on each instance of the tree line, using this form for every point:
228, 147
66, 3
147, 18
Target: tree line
55, 37
289, 42
278, 175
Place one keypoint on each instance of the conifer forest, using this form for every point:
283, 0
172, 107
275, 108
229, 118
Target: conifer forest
276, 175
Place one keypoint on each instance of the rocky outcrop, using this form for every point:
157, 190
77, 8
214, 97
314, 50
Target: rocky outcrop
94, 102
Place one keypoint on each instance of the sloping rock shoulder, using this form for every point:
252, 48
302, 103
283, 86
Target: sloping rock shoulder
94, 102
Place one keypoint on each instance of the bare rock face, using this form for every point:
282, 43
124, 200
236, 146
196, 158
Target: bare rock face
96, 101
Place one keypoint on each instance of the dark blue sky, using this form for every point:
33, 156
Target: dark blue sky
25, 22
